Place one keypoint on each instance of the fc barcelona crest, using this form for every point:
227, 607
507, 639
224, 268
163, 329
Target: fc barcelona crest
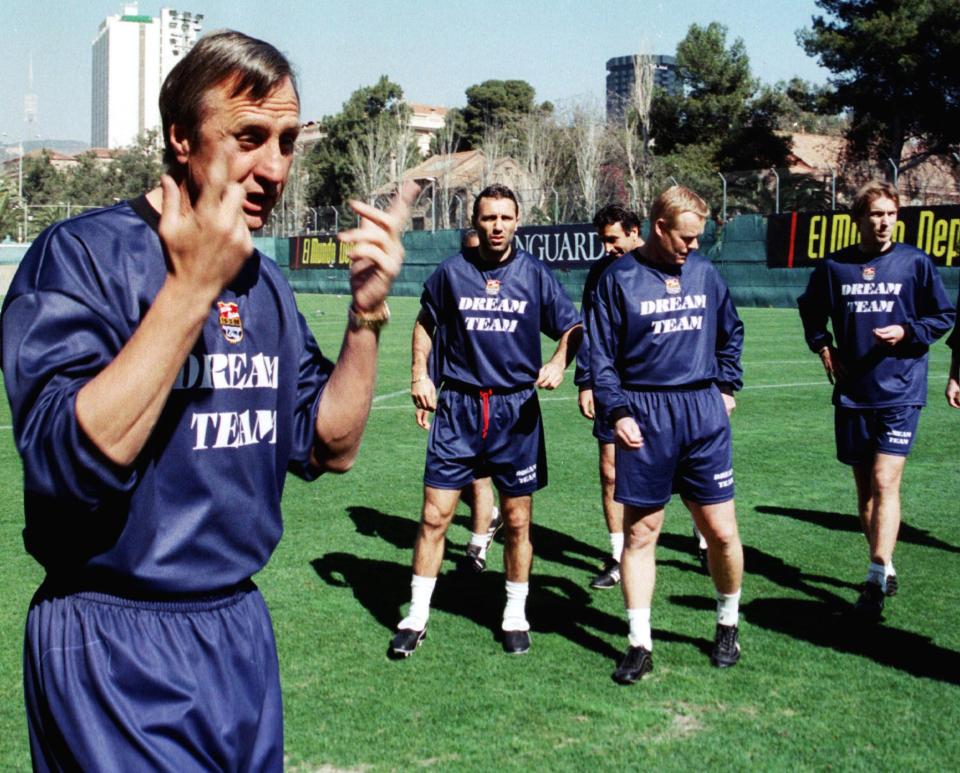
869, 272
230, 322
493, 287
673, 285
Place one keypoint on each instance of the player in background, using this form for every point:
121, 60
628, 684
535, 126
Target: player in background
665, 343
619, 232
485, 520
162, 383
953, 377
489, 307
886, 305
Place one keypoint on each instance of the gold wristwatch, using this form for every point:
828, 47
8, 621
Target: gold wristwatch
369, 321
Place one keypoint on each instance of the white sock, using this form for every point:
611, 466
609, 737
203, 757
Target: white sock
701, 540
514, 613
421, 592
640, 634
616, 545
728, 608
480, 541
877, 573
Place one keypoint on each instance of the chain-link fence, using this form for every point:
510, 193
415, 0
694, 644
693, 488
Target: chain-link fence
729, 193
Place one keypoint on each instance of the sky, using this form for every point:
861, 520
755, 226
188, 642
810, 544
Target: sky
434, 49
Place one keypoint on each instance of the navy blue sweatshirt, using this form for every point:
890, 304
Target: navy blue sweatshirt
858, 292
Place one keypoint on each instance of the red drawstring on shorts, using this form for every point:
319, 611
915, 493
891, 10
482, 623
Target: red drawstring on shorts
485, 396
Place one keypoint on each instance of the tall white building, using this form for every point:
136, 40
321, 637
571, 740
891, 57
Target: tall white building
132, 54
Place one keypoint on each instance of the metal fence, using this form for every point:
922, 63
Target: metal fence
729, 193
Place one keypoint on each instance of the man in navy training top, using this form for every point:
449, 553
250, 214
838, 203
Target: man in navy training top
953, 378
490, 306
665, 343
485, 520
162, 384
619, 232
886, 305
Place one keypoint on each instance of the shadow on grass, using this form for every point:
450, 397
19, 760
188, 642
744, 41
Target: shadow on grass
556, 604
548, 544
836, 628
825, 619
851, 523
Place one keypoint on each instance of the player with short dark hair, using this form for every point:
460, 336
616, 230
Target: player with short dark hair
886, 305
488, 308
619, 232
665, 343
485, 520
162, 384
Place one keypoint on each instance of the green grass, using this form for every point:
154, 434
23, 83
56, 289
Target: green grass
812, 690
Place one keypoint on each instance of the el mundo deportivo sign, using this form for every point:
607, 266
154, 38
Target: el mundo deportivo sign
800, 239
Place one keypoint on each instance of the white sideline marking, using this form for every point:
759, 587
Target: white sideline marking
391, 395
388, 395
821, 382
543, 399
758, 363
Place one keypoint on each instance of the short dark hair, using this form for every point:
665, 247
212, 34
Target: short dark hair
615, 213
875, 189
470, 233
495, 191
254, 66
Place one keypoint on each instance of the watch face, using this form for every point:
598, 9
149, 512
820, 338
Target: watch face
369, 321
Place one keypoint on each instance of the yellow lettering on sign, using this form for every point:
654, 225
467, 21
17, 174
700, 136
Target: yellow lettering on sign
925, 230
939, 246
842, 232
343, 253
815, 240
318, 253
953, 241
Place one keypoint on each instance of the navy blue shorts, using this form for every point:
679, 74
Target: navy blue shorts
862, 433
113, 684
687, 449
480, 435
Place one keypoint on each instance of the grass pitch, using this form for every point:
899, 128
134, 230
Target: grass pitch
813, 690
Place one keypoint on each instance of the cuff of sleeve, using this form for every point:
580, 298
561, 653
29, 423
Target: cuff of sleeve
620, 412
910, 331
726, 389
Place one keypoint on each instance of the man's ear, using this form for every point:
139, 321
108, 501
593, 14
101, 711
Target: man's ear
180, 143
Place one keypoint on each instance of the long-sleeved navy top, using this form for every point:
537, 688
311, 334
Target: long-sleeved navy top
199, 509
857, 292
581, 376
655, 327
